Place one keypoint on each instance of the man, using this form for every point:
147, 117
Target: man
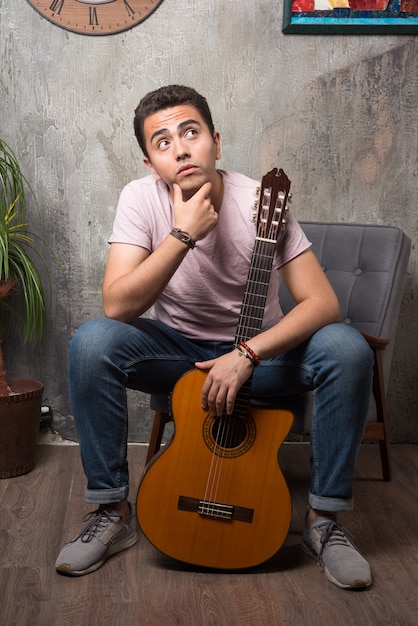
181, 247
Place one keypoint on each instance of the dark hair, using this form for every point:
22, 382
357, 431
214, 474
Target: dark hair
165, 98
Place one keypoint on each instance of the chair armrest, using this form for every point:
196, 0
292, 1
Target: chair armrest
376, 343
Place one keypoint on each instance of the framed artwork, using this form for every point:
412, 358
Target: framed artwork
339, 17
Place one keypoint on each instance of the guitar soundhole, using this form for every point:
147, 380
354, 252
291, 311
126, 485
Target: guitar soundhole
229, 436
229, 432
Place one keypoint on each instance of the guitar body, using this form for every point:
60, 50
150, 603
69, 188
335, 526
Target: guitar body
216, 496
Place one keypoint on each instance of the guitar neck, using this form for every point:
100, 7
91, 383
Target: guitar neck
252, 308
255, 295
274, 194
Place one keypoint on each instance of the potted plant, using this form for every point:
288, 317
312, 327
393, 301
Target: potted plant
22, 301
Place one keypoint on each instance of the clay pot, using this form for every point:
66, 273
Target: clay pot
20, 415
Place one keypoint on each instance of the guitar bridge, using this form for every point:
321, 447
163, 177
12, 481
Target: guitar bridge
215, 510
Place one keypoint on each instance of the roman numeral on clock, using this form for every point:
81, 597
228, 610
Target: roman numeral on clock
128, 8
56, 6
93, 19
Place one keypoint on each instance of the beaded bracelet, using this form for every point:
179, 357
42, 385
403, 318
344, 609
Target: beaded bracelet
249, 353
183, 236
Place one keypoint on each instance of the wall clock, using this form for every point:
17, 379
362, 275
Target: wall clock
95, 17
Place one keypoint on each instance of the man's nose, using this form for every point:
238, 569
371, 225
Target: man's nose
182, 150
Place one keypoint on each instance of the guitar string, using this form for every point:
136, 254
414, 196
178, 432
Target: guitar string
229, 425
263, 256
224, 425
215, 471
223, 433
213, 484
226, 432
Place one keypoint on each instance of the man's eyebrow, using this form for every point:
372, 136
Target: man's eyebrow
165, 131
188, 123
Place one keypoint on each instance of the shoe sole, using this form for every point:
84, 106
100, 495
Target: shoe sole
66, 569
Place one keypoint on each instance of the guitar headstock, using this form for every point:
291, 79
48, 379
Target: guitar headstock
272, 204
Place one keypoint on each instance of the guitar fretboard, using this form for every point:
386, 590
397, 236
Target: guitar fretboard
255, 295
271, 218
252, 308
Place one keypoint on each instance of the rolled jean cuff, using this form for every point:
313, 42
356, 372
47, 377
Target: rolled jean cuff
333, 505
106, 496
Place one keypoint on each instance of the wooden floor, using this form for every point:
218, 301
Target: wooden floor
41, 510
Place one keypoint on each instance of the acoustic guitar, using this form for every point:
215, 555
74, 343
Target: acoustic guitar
215, 496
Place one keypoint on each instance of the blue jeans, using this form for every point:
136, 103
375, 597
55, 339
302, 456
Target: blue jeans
107, 356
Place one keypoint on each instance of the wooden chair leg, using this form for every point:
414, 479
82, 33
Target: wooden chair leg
379, 429
382, 416
160, 420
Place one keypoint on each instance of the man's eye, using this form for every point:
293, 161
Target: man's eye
162, 145
191, 132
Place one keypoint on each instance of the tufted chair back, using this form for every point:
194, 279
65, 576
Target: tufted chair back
366, 264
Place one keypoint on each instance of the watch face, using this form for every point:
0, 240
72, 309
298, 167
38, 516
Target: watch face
95, 17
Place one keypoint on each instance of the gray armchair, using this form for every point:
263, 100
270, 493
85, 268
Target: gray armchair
366, 265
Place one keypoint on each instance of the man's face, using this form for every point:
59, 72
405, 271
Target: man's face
181, 149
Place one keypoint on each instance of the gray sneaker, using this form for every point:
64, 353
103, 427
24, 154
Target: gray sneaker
333, 547
104, 535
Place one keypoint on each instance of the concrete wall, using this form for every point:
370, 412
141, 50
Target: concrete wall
339, 114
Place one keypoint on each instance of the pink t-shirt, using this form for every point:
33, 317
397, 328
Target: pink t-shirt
203, 298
